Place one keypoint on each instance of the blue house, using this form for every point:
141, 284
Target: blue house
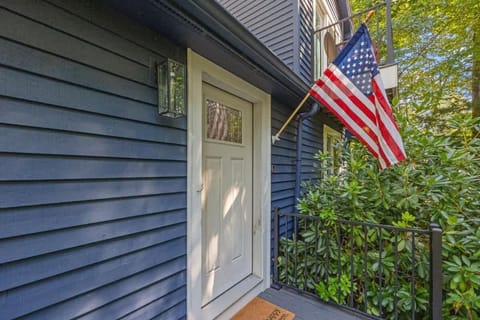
111, 209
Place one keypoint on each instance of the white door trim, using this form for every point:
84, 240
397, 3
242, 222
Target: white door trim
202, 70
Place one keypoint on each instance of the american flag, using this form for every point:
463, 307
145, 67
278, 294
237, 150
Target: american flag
352, 89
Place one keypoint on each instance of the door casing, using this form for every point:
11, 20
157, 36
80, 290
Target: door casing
202, 70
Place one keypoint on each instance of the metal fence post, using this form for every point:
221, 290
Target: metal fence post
275, 284
436, 282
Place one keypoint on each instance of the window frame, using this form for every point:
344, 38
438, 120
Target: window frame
337, 137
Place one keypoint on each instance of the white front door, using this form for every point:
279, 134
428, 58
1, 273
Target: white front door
227, 192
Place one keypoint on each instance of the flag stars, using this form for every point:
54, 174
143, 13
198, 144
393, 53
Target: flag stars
359, 65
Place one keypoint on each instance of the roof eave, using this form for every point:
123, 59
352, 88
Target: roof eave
208, 29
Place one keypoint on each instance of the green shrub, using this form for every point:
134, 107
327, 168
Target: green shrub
439, 183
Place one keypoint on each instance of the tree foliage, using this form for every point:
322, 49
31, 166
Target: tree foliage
437, 47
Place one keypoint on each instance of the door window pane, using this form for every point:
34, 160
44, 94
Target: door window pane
223, 122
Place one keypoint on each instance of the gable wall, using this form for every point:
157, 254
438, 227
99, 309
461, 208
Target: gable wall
92, 179
285, 27
305, 40
272, 22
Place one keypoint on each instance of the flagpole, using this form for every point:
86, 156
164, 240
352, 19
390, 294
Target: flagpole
275, 138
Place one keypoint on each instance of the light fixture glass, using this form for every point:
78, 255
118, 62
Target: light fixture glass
171, 80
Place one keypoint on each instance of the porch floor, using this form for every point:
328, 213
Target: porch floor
305, 307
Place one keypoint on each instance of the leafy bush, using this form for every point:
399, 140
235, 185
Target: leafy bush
358, 265
439, 183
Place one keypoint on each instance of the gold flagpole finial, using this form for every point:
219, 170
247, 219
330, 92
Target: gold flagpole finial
369, 16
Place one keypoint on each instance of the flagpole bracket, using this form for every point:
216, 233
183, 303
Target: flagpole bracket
275, 138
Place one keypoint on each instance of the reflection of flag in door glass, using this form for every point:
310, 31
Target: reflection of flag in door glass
223, 123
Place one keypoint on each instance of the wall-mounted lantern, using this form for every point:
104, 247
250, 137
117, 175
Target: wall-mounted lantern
171, 78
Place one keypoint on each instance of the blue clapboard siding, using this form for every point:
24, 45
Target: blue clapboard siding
305, 33
283, 167
284, 26
92, 179
284, 153
284, 158
272, 22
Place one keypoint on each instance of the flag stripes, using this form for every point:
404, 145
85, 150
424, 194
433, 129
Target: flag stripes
369, 121
327, 97
352, 89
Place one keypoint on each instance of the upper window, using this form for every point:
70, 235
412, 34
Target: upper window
329, 47
325, 40
330, 138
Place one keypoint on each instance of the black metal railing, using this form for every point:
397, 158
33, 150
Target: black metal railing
338, 33
382, 271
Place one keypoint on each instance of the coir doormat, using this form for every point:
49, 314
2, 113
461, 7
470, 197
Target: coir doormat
259, 309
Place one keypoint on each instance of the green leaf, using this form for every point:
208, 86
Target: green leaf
466, 260
457, 260
457, 278
452, 220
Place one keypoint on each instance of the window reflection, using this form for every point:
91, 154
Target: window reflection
223, 123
